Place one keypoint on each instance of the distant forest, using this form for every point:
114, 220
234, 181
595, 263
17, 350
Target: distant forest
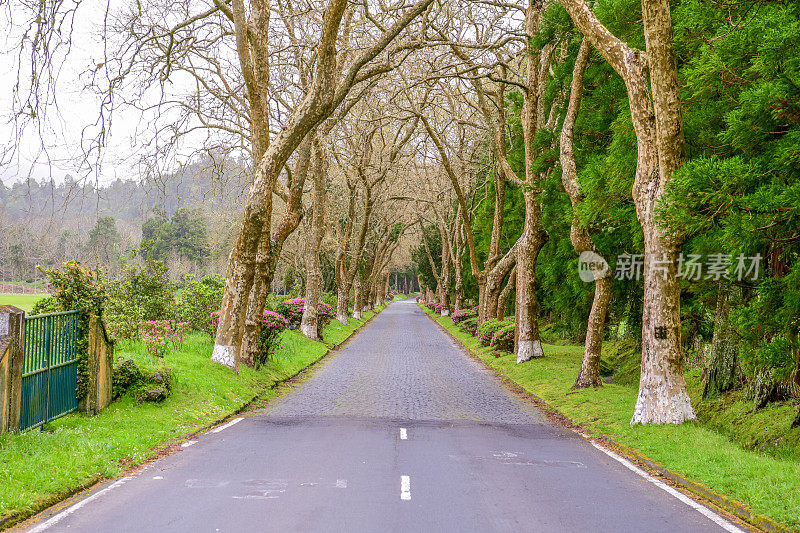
188, 219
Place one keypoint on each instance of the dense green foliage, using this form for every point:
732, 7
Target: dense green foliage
198, 300
141, 293
184, 235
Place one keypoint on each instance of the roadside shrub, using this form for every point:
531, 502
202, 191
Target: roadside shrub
198, 300
48, 304
487, 330
159, 335
292, 310
324, 313
503, 339
463, 315
330, 298
125, 374
145, 386
141, 294
469, 325
75, 288
431, 305
271, 328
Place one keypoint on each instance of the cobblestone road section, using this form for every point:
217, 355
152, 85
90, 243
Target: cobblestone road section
401, 366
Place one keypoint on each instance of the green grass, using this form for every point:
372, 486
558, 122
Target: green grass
38, 468
767, 481
23, 301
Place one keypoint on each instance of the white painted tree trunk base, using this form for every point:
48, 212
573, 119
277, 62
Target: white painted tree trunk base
527, 350
656, 404
309, 330
357, 315
445, 312
342, 319
224, 355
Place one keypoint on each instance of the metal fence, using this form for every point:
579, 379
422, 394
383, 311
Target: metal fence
50, 369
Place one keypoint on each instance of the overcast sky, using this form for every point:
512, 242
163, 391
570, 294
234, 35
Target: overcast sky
75, 109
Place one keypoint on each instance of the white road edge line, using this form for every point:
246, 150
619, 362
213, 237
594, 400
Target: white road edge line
405, 487
69, 510
226, 426
702, 509
403, 434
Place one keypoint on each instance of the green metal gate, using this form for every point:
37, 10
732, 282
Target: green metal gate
50, 370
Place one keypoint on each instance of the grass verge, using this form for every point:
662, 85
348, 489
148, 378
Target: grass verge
23, 301
40, 468
767, 482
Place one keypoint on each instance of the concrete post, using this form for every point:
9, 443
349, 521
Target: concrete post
12, 342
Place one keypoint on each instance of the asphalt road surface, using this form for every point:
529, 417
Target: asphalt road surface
400, 431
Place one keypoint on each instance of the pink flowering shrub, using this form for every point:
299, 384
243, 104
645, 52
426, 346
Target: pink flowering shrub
464, 314
271, 328
431, 305
486, 331
503, 339
293, 311
325, 313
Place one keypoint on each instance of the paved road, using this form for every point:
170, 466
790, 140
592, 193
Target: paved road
400, 431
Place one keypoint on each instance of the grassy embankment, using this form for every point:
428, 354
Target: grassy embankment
38, 468
23, 301
752, 458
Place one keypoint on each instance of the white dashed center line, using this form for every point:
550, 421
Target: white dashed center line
405, 487
403, 434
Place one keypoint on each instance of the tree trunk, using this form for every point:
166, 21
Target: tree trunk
723, 364
658, 124
342, 303
358, 299
589, 375
662, 388
309, 324
251, 342
526, 325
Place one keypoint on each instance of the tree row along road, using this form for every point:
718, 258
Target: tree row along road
400, 431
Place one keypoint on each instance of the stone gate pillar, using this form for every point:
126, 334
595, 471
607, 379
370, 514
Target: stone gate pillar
12, 342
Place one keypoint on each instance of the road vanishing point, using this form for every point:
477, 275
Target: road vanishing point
400, 431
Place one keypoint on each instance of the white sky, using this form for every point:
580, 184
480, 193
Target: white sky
76, 110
